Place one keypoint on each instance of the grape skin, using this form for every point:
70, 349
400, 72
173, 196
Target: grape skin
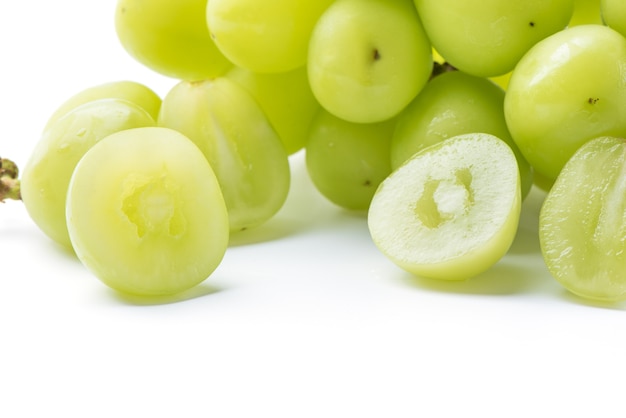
47, 173
347, 161
230, 128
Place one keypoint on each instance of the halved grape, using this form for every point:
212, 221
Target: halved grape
132, 91
451, 104
145, 212
582, 223
47, 173
233, 132
452, 210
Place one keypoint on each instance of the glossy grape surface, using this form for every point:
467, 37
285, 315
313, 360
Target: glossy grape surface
47, 173
487, 38
248, 157
170, 37
358, 69
451, 104
568, 89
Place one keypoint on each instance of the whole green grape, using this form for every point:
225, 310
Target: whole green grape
124, 89
614, 14
47, 172
452, 210
346, 161
287, 100
239, 142
569, 88
487, 38
368, 59
268, 36
451, 104
582, 222
145, 212
170, 37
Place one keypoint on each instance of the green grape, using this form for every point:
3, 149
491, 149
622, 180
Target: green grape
452, 210
614, 14
145, 212
487, 38
368, 59
567, 89
128, 90
170, 37
582, 223
268, 36
287, 100
347, 161
586, 12
234, 134
47, 173
451, 104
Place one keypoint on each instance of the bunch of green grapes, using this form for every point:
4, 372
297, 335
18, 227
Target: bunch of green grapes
434, 119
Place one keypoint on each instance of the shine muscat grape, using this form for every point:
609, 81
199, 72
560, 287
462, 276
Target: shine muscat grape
63, 143
171, 195
346, 161
582, 223
145, 212
236, 137
269, 36
367, 59
170, 37
451, 104
451, 211
487, 38
568, 89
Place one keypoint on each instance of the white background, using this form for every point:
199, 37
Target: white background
306, 319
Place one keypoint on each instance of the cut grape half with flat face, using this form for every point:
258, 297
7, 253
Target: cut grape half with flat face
452, 210
145, 212
582, 223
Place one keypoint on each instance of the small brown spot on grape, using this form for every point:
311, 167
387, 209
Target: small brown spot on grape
376, 54
367, 183
531, 24
593, 101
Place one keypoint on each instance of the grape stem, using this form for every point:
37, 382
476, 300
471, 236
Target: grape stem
441, 68
9, 182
